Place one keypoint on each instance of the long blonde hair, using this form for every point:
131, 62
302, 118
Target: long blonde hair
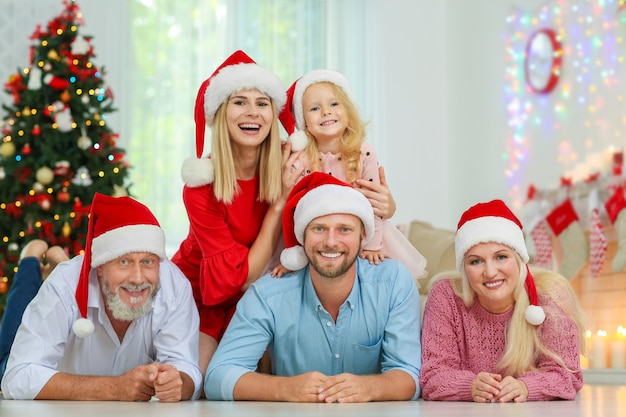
351, 140
225, 184
523, 342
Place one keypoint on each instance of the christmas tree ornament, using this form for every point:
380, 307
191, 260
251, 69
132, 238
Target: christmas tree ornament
82, 177
615, 208
84, 142
56, 82
7, 149
2, 173
63, 119
38, 187
44, 200
53, 55
564, 223
4, 287
597, 237
66, 230
44, 175
26, 149
61, 168
66, 96
80, 46
34, 78
36, 131
63, 196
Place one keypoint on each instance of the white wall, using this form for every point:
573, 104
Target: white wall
412, 114
442, 106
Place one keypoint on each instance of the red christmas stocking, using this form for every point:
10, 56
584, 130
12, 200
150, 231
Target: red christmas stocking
574, 246
615, 206
543, 245
539, 241
597, 237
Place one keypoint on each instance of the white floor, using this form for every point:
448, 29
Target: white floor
592, 401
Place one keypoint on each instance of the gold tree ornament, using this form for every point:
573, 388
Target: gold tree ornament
66, 230
7, 149
44, 175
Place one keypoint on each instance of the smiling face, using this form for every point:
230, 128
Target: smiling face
129, 284
493, 273
332, 244
249, 116
324, 115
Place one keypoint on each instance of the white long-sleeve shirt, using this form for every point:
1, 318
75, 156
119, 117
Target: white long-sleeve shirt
45, 343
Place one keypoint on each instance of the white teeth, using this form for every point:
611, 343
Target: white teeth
331, 254
249, 126
135, 300
493, 284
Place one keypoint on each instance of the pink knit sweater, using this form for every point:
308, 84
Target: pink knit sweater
459, 342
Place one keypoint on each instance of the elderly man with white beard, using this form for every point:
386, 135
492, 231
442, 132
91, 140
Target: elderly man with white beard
118, 323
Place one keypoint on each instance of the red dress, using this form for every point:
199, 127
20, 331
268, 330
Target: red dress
214, 256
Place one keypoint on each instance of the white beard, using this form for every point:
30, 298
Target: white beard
120, 309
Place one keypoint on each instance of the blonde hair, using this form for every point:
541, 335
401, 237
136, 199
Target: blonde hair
270, 173
523, 342
351, 140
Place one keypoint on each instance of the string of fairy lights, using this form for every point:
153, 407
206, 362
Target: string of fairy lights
574, 129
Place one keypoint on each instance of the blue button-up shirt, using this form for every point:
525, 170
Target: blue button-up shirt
377, 329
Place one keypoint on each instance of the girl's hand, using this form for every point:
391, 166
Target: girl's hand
378, 195
290, 176
373, 256
279, 270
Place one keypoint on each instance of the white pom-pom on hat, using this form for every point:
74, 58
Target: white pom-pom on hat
298, 141
82, 327
294, 258
197, 172
535, 315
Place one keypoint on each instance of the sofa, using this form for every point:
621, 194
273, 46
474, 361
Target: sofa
436, 245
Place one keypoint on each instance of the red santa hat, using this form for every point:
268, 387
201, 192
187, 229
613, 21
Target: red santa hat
495, 222
292, 116
316, 195
237, 72
117, 226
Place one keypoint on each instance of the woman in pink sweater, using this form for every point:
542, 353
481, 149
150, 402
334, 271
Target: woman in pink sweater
494, 331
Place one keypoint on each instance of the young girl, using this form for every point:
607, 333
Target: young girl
235, 198
332, 137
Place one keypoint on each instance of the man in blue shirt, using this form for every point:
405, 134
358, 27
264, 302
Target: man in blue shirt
338, 330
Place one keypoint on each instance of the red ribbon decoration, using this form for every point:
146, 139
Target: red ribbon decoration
13, 210
592, 177
566, 182
81, 212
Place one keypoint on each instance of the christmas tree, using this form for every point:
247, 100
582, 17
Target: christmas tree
56, 149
